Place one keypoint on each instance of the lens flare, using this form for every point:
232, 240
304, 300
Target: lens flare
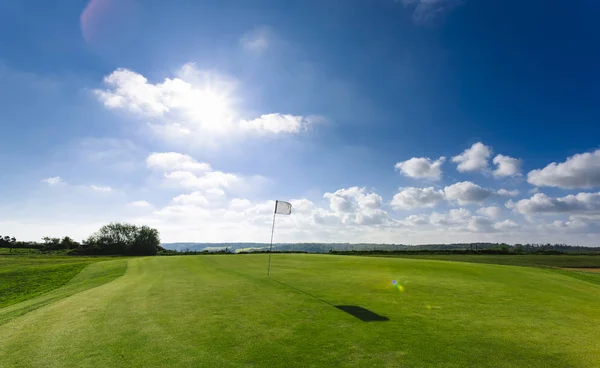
396, 285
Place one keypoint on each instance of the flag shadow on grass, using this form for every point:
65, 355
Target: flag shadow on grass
361, 313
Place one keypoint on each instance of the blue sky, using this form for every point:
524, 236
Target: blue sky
405, 121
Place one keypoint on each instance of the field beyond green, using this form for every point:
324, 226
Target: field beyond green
222, 311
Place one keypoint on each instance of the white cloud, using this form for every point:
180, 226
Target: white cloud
133, 92
212, 179
214, 193
430, 11
507, 166
466, 192
508, 193
302, 206
578, 171
277, 123
257, 40
585, 203
477, 224
196, 105
462, 221
195, 198
214, 184
171, 161
421, 168
410, 198
473, 159
240, 204
354, 206
140, 204
350, 199
491, 212
455, 216
55, 180
506, 225
416, 220
578, 224
98, 188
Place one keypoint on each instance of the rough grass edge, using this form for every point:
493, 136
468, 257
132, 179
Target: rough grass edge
91, 276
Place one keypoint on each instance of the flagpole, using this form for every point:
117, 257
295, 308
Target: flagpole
271, 246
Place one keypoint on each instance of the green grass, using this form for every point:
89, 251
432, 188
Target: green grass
222, 311
25, 277
530, 260
38, 281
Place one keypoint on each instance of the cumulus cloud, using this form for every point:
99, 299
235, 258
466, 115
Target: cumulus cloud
506, 225
430, 11
508, 193
474, 158
55, 180
195, 198
507, 166
466, 192
577, 224
584, 203
183, 171
99, 188
416, 220
212, 179
240, 204
348, 200
278, 123
195, 103
578, 171
455, 216
491, 211
410, 198
421, 168
478, 224
462, 221
303, 206
168, 161
354, 206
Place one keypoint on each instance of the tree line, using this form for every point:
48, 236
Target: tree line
112, 239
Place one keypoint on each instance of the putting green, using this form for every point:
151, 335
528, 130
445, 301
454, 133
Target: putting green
222, 311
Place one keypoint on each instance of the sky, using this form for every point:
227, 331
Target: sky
384, 121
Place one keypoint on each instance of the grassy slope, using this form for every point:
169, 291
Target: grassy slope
36, 282
222, 311
24, 277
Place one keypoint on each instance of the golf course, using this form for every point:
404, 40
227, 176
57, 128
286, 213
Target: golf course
314, 311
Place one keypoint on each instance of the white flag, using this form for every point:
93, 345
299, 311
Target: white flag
283, 208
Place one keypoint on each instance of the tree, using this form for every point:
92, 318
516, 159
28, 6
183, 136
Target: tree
146, 242
51, 243
68, 243
122, 238
8, 242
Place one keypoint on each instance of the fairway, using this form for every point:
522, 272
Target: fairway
222, 311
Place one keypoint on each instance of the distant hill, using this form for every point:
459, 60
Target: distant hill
327, 247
